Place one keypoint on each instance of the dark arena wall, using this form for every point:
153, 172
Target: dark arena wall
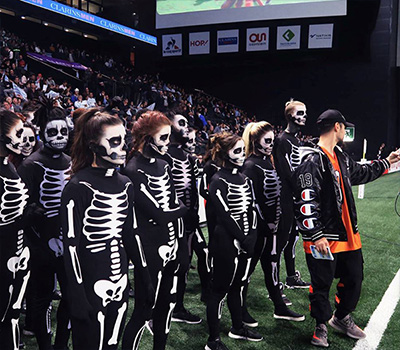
357, 76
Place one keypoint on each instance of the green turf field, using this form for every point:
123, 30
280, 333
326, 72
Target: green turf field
380, 229
166, 7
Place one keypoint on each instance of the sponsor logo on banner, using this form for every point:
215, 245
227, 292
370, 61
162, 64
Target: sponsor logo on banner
257, 39
172, 45
228, 41
320, 36
288, 38
199, 43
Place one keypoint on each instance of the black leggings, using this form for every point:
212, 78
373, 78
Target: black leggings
14, 275
39, 299
164, 283
287, 231
267, 251
229, 276
194, 241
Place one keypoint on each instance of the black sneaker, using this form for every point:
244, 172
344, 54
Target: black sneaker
287, 314
320, 336
296, 281
249, 321
245, 334
217, 344
185, 317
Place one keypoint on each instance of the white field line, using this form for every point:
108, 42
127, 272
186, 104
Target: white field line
380, 318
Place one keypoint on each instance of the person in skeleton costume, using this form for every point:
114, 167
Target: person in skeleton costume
29, 145
209, 169
234, 239
259, 168
14, 254
157, 223
45, 174
184, 172
286, 153
99, 229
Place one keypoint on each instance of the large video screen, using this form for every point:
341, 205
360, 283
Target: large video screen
184, 13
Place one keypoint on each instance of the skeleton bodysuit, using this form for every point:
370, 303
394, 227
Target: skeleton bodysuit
210, 168
46, 174
14, 254
286, 154
184, 172
231, 195
158, 226
267, 190
99, 234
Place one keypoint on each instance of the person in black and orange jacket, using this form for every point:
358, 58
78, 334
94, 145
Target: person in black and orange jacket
326, 217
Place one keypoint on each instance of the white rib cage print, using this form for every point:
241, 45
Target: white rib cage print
294, 157
161, 190
272, 191
271, 185
105, 217
13, 200
161, 187
239, 199
182, 178
51, 189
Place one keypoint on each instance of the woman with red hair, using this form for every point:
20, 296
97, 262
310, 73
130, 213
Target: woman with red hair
159, 221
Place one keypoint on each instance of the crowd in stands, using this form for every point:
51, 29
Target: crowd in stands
19, 84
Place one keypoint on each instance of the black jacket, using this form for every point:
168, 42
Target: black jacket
318, 193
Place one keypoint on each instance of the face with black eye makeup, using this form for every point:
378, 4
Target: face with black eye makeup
15, 137
237, 153
160, 141
56, 135
112, 144
28, 141
181, 127
266, 143
190, 145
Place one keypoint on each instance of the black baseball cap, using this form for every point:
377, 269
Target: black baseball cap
331, 116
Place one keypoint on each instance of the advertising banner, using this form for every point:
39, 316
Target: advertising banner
172, 45
228, 41
199, 43
257, 39
288, 38
320, 36
92, 19
56, 61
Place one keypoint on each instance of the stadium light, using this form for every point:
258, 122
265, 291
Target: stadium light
23, 17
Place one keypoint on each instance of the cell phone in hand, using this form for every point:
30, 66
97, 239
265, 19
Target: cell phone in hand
317, 255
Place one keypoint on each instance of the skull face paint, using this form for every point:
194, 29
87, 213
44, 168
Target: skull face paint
180, 125
15, 137
237, 153
160, 140
190, 145
112, 144
266, 143
299, 115
56, 135
28, 141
